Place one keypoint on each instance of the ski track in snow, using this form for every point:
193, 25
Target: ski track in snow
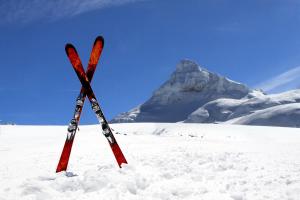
166, 161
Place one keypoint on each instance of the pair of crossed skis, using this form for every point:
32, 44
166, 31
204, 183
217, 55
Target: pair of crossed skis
86, 90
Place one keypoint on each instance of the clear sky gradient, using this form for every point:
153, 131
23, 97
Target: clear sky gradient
253, 42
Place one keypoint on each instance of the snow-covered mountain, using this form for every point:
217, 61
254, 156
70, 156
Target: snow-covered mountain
272, 110
188, 88
195, 95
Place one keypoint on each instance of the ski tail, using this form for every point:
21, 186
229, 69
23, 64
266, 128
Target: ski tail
94, 58
65, 155
118, 154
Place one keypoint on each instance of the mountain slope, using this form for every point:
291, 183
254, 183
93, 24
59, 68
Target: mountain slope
254, 109
188, 88
286, 115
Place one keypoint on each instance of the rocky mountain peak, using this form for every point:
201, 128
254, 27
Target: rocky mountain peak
188, 76
186, 65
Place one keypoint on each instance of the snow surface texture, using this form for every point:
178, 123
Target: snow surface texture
166, 161
195, 95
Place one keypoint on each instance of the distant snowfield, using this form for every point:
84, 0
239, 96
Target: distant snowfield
166, 161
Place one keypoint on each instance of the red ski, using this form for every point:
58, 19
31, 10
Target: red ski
76, 63
72, 128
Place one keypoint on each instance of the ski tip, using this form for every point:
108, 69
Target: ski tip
99, 38
68, 47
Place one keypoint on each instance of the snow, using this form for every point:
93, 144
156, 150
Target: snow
256, 109
281, 115
166, 161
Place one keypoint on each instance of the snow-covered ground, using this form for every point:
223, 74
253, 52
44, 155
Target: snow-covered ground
166, 161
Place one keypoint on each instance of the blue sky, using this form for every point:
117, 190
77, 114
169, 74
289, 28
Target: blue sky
253, 42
